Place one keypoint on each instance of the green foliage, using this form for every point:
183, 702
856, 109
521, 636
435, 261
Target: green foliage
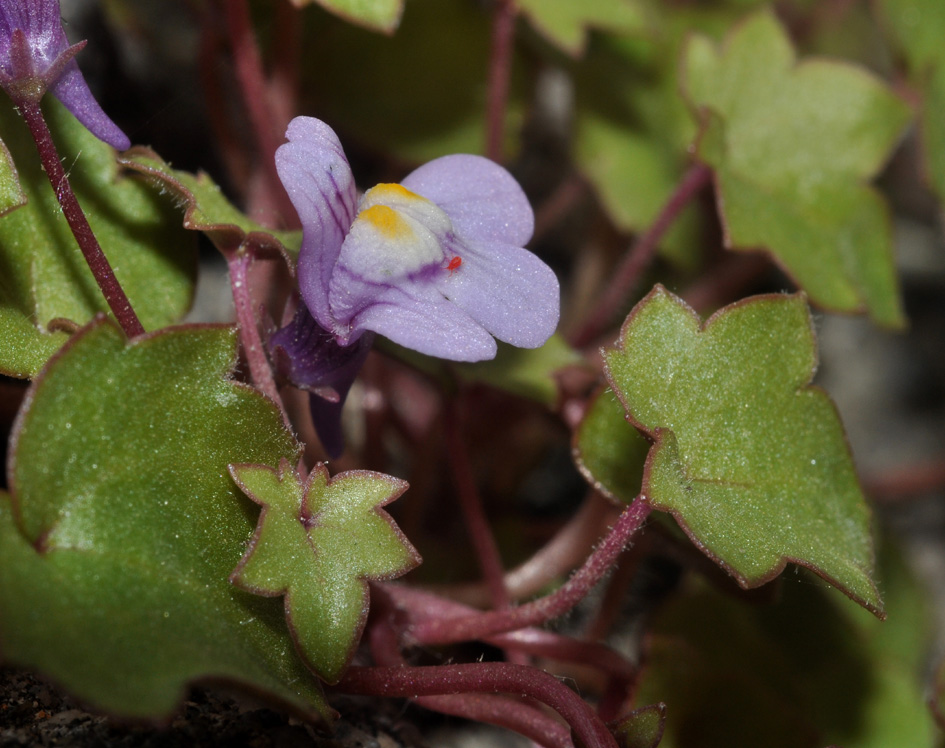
207, 210
526, 372
378, 15
318, 544
807, 670
418, 94
125, 525
566, 23
751, 461
43, 275
609, 451
792, 145
918, 26
11, 192
642, 728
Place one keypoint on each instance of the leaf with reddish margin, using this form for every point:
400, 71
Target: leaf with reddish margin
318, 544
125, 525
750, 459
207, 210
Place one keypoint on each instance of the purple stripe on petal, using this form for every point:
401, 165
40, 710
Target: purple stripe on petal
506, 289
482, 199
316, 174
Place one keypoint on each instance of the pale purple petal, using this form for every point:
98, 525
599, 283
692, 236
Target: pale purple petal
427, 323
72, 90
506, 289
40, 22
316, 174
482, 199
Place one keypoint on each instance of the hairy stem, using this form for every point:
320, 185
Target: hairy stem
259, 369
79, 225
639, 257
483, 677
445, 631
500, 71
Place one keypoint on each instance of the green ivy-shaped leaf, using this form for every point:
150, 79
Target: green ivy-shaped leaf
317, 545
566, 23
792, 145
750, 459
125, 526
11, 191
207, 210
43, 276
378, 15
918, 27
807, 670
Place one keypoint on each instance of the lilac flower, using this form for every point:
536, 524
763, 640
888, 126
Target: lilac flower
35, 57
435, 263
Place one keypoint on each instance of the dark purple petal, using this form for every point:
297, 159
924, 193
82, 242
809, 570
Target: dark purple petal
308, 357
72, 90
482, 199
316, 174
507, 290
428, 323
46, 58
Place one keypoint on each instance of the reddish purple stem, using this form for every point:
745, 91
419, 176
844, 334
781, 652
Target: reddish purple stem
92, 251
500, 71
483, 677
487, 553
260, 371
639, 257
481, 625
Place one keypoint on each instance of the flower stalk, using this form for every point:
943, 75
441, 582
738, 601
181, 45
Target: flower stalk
78, 223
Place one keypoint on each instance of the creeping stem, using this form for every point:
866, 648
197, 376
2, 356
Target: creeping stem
483, 677
500, 70
635, 262
481, 625
79, 225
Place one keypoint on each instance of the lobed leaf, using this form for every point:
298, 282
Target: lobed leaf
566, 23
792, 145
750, 459
317, 545
125, 525
207, 210
43, 275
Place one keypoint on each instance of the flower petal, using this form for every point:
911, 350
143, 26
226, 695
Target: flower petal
428, 323
72, 90
482, 199
308, 356
316, 174
506, 289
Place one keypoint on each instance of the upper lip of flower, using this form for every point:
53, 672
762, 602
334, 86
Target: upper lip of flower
35, 57
388, 265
